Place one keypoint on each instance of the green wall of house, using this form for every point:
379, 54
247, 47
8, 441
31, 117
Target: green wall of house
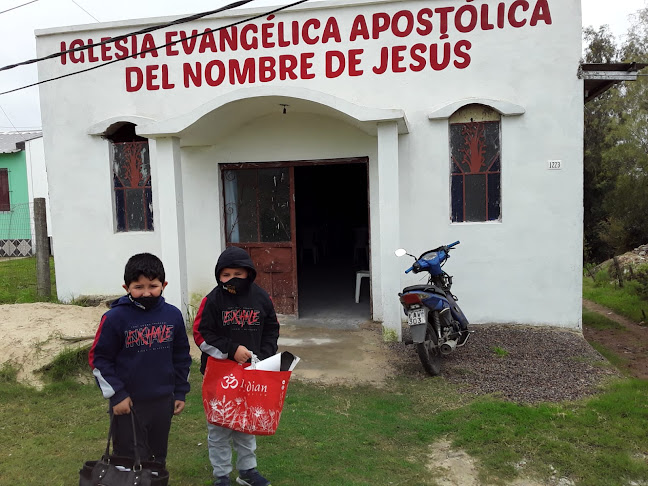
15, 224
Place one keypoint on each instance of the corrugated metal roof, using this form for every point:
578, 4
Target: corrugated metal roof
599, 77
11, 142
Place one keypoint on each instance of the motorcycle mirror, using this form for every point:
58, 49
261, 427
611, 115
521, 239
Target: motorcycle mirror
400, 252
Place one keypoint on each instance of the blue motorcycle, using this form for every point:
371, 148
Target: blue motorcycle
437, 324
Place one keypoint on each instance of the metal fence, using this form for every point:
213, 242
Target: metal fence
17, 231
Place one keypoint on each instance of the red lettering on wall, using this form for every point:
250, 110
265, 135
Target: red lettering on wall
243, 74
331, 31
403, 17
91, 54
397, 59
246, 43
306, 35
359, 28
416, 52
209, 73
306, 65
380, 23
354, 62
148, 46
192, 76
120, 46
266, 69
461, 49
207, 42
188, 43
541, 12
335, 64
443, 26
424, 15
287, 66
105, 50
513, 10
171, 50
134, 79
77, 56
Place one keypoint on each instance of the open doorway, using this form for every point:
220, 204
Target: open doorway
332, 227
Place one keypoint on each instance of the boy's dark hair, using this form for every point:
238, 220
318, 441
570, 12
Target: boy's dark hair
143, 264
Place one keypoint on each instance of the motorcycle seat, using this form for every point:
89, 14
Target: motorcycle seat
424, 288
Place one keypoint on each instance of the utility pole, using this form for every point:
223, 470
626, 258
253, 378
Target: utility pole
43, 277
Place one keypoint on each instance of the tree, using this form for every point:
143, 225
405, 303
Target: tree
598, 181
616, 148
626, 150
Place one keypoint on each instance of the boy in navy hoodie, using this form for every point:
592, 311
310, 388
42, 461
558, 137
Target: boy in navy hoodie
140, 359
237, 318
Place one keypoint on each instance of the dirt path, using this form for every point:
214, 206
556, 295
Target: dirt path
629, 343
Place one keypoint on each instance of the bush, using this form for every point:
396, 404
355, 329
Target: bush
68, 364
602, 278
641, 276
8, 373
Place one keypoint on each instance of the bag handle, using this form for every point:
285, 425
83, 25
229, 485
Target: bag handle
137, 466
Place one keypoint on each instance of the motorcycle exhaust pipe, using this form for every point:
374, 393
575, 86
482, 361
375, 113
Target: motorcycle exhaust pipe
448, 347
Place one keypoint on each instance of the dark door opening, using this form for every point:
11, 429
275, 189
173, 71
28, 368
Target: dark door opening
332, 226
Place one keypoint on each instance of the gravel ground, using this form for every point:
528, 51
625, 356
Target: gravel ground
537, 364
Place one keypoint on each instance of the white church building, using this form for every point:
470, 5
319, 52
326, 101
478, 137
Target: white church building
321, 138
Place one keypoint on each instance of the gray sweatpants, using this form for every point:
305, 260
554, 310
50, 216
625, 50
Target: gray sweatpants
220, 450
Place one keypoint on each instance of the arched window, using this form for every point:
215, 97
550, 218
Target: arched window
131, 169
475, 164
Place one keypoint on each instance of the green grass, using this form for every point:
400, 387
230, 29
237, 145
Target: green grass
599, 322
18, 281
615, 360
624, 301
347, 435
70, 363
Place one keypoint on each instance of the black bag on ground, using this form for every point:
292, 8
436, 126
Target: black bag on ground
122, 471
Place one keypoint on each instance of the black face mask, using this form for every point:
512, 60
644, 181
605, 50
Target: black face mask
145, 302
236, 285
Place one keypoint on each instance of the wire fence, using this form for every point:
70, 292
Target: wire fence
18, 265
17, 231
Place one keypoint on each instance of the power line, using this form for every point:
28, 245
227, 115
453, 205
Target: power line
18, 6
208, 31
14, 127
85, 10
124, 36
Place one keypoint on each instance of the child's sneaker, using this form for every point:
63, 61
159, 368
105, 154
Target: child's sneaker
251, 477
222, 481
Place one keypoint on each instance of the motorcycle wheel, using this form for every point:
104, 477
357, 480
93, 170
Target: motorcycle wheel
429, 353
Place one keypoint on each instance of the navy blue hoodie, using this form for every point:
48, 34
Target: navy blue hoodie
141, 353
225, 321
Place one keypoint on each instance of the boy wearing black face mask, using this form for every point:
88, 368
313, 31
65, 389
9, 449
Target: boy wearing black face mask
140, 359
237, 318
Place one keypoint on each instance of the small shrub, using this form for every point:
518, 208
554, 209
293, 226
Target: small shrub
595, 320
389, 335
8, 373
499, 351
602, 278
68, 364
641, 276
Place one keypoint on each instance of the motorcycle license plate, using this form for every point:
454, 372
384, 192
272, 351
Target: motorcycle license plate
415, 317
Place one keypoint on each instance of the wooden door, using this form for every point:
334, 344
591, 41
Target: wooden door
260, 217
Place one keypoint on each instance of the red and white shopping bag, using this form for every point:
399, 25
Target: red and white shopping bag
241, 398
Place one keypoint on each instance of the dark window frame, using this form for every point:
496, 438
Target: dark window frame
131, 178
469, 170
5, 205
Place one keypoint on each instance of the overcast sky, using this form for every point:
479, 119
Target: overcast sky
21, 109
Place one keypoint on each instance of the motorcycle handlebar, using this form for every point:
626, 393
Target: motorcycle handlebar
453, 244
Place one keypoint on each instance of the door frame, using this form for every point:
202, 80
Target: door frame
293, 233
